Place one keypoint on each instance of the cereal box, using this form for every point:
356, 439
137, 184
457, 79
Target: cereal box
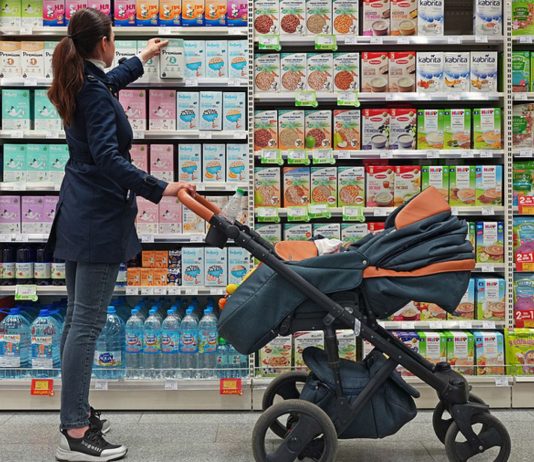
461, 351
353, 232
14, 163
124, 13
265, 130
192, 266
16, 109
213, 162
267, 16
374, 71
134, 104
402, 128
319, 71
170, 12
490, 242
292, 17
187, 110
32, 14
234, 110
133, 277
520, 351
351, 186
193, 13
293, 71
488, 17
456, 71
403, 17
462, 183
210, 110
327, 230
192, 223
375, 129
407, 183
215, 14
318, 129
433, 346
267, 72
324, 186
296, 186
236, 162
290, 129
489, 185
490, 296
466, 307
239, 264
521, 71
32, 59
162, 161
31, 214
457, 128
430, 311
303, 340
346, 71
147, 12
171, 60
267, 187
139, 155
487, 128
380, 180
436, 176
489, 353
345, 17
37, 156
431, 17
147, 217
10, 59
237, 59
270, 232
10, 218
430, 128
194, 59
162, 109
484, 71
189, 156
237, 13
10, 14
216, 58
376, 17
430, 66
411, 340
318, 16
275, 357
297, 231
216, 266
347, 129
54, 13
402, 71
45, 115
524, 300
347, 344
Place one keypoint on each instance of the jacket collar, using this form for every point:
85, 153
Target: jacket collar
90, 68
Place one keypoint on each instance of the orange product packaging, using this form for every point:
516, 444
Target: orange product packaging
215, 14
296, 186
170, 12
324, 186
161, 259
147, 277
160, 276
192, 12
148, 259
133, 277
146, 12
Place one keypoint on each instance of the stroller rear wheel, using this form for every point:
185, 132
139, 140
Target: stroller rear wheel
309, 423
493, 436
284, 387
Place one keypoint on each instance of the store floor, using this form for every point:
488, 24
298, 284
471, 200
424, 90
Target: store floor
225, 437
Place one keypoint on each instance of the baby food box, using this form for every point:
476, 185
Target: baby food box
429, 311
431, 17
296, 186
54, 13
234, 110
269, 232
162, 109
327, 230
71, 6
489, 353
210, 110
169, 216
487, 124
346, 71
461, 351
194, 59
239, 264
10, 59
433, 346
374, 71
491, 302
380, 180
147, 217
14, 163
31, 14
192, 223
375, 227
488, 17
292, 17
484, 71
10, 14
193, 12
466, 307
456, 71
403, 17
303, 340
457, 128
216, 58
293, 71
162, 161
318, 129
353, 232
237, 13
524, 300
522, 126
519, 351
215, 13
170, 12
134, 104
376, 17
59, 155
49, 212
124, 13
489, 184
347, 129
402, 128
139, 155
10, 214
375, 129
31, 214
402, 71
318, 16
267, 72
238, 59
16, 109
275, 357
187, 110
189, 159
407, 183
236, 162
267, 16
531, 86
265, 130
351, 186
462, 184
345, 17
324, 186
267, 187
192, 266
347, 344
45, 115
290, 129
214, 163
521, 71
523, 180
151, 67
37, 156
430, 66
32, 59
436, 176
297, 231
216, 266
171, 60
319, 71
430, 128
411, 340
124, 49
490, 241
147, 12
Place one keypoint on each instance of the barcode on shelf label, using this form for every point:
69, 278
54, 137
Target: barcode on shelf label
525, 153
131, 290
197, 238
502, 381
432, 154
351, 40
455, 40
466, 155
525, 39
192, 291
6, 237
101, 385
409, 325
488, 324
147, 238
486, 153
435, 325
318, 209
267, 211
481, 38
454, 211
487, 268
343, 154
270, 154
30, 82
164, 31
375, 39
454, 96
139, 134
386, 155
325, 42
171, 385
236, 82
520, 96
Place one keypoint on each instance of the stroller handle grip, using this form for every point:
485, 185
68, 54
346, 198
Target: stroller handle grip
198, 204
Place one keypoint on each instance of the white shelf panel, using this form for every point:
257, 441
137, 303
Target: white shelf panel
145, 238
523, 39
523, 96
445, 324
138, 134
527, 153
153, 290
490, 267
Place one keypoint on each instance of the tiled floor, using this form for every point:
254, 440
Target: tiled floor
219, 437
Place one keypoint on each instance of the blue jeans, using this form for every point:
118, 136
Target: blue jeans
89, 290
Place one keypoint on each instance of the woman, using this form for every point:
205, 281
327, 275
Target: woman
94, 227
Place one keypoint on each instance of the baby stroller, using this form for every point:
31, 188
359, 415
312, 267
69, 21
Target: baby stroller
422, 255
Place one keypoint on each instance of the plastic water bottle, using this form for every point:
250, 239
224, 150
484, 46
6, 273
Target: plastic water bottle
234, 207
45, 340
109, 354
222, 359
152, 344
237, 363
189, 345
170, 344
134, 345
15, 345
207, 344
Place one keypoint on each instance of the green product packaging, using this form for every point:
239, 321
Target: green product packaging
436, 176
457, 128
519, 351
461, 351
487, 132
430, 129
522, 18
462, 184
521, 71
433, 346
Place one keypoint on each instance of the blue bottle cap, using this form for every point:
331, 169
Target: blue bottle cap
44, 313
153, 310
14, 311
111, 309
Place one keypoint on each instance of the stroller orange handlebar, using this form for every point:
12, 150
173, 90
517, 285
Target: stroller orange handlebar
198, 204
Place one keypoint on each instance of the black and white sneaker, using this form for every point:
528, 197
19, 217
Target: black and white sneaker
102, 425
91, 448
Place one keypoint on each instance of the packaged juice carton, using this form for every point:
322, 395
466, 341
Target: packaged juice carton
491, 302
403, 17
101, 5
239, 264
353, 232
162, 161
521, 71
524, 300
293, 71
431, 17
195, 61
346, 71
236, 162
290, 129
457, 128
216, 266
32, 214
318, 17
189, 160
10, 14
376, 17
238, 59
487, 123
139, 155
133, 277
347, 344
456, 71
215, 13
124, 49
234, 110
134, 104
54, 13
327, 230
436, 176
489, 185
192, 265
45, 115
192, 223
124, 13
187, 110
319, 71
216, 58
37, 157
31, 14
318, 129
402, 71
267, 187
374, 71
407, 183
147, 12
237, 13
267, 16
296, 186
380, 181
402, 128
270, 232
430, 128
16, 109
432, 346
15, 163
71, 6
462, 183
411, 340
488, 17
489, 353
48, 53
147, 217
210, 110
267, 72
275, 357
49, 212
347, 129
466, 307
461, 351
297, 231
484, 71
171, 60
351, 186
303, 340
193, 13
430, 66
323, 186
10, 218
490, 241
292, 17
162, 109
10, 59
520, 351
32, 59
214, 163
59, 155
375, 129
170, 13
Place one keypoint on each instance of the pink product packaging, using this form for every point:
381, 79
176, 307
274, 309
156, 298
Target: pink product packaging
101, 5
32, 214
139, 155
71, 6
9, 214
162, 114
162, 161
147, 217
134, 105
170, 216
124, 13
236, 13
54, 13
49, 212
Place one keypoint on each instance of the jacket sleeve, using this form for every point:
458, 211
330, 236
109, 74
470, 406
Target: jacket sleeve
102, 139
127, 72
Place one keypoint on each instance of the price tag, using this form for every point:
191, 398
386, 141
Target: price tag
466, 325
271, 156
139, 134
5, 237
160, 290
19, 237
30, 82
269, 42
231, 387
409, 325
147, 291
486, 211
455, 40
306, 98
454, 210
520, 96
466, 154
52, 134
236, 82
403, 41
42, 387
525, 153
487, 268
454, 96
171, 385
207, 135
132, 290
481, 38
375, 40
386, 155
432, 154
526, 205
503, 381
435, 325
101, 385
191, 291
298, 156
325, 42
323, 156
524, 261
343, 154
148, 238
353, 213
26, 30
191, 82
525, 39
197, 238
320, 211
348, 98
174, 290
486, 153
380, 212
26, 292
164, 31
16, 134
267, 215
351, 40
297, 214
488, 325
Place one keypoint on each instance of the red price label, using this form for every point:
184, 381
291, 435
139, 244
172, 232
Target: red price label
42, 387
524, 261
524, 318
231, 387
526, 204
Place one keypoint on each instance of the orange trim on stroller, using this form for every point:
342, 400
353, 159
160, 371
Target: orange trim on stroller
428, 203
198, 204
434, 268
296, 250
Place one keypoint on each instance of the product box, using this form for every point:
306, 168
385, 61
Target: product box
133, 277
265, 129
155, 258
172, 61
327, 230
403, 17
216, 266
210, 110
216, 59
433, 346
462, 183
189, 161
402, 71
147, 217
409, 312
293, 71
411, 340
297, 231
376, 17
238, 59
431, 17
59, 155
193, 13
54, 13
487, 123
347, 129
290, 129
31, 14
489, 180
174, 275
10, 14
239, 264
147, 277
124, 49
10, 218
37, 156
346, 71
303, 340
124, 13
101, 5
519, 351
402, 128
466, 307
296, 186
215, 13
194, 59
353, 232
161, 276
351, 186
234, 110
374, 71
461, 351
484, 71
32, 59
457, 128
71, 6
267, 16
151, 67
323, 186
162, 112
488, 17
490, 242
267, 187
345, 17
134, 104
491, 301
32, 214
187, 110
45, 115
375, 129
275, 357
522, 125
407, 183
524, 300
430, 67
318, 129
531, 86
375, 227
192, 223
431, 311
380, 180
139, 155
489, 353
147, 12
292, 17
523, 180
162, 161
49, 212
319, 71
436, 176
214, 163
430, 128
15, 163
456, 71
192, 265
472, 233
236, 13
16, 109
170, 12
347, 344
318, 17
236, 162
10, 59
521, 71
269, 232
267, 72
48, 53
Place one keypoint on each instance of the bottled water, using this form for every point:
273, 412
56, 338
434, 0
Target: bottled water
189, 345
45, 341
152, 344
234, 207
109, 354
134, 345
207, 344
237, 363
170, 344
14, 345
222, 359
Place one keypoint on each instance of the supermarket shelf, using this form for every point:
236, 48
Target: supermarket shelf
145, 238
153, 290
523, 39
490, 267
527, 153
445, 324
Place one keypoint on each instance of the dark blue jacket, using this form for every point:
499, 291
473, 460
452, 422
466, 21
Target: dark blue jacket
95, 218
